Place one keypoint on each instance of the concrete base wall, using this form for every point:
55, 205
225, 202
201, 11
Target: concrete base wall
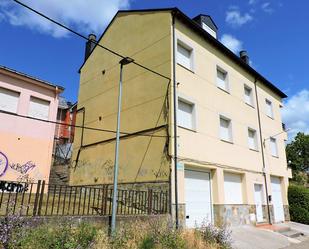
233, 215
100, 221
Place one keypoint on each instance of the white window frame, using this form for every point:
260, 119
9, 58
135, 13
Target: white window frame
269, 104
8, 109
190, 50
226, 79
193, 117
256, 148
251, 101
273, 150
230, 129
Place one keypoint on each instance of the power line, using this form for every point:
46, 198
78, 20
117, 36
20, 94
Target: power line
84, 37
78, 126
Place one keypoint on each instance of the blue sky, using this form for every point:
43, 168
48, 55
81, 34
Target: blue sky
274, 32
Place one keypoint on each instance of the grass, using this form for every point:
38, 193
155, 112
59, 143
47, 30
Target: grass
153, 234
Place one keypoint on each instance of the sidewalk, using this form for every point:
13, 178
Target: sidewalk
302, 245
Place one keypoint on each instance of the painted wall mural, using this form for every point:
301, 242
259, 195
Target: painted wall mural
3, 163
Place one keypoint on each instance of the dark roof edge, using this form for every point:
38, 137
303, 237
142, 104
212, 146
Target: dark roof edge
31, 77
178, 13
210, 19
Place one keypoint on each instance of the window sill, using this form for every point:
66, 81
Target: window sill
252, 106
275, 156
185, 128
255, 150
227, 141
270, 117
188, 69
8, 112
224, 90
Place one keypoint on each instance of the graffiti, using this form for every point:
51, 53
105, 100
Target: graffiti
26, 178
22, 168
13, 187
3, 163
143, 172
160, 173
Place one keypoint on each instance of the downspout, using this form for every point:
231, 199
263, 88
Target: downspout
175, 122
262, 150
82, 135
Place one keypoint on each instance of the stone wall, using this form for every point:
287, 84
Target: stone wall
234, 215
286, 212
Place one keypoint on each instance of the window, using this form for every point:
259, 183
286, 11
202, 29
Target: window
269, 109
225, 129
184, 55
222, 81
273, 147
39, 108
252, 139
186, 114
8, 100
248, 95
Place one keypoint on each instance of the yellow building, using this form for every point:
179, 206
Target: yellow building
228, 145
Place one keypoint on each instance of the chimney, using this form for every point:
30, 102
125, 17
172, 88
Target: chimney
90, 45
206, 23
244, 56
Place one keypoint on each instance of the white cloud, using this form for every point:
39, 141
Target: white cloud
252, 2
232, 43
236, 19
85, 16
295, 113
267, 8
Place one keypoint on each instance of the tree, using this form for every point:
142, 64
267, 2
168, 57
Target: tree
298, 155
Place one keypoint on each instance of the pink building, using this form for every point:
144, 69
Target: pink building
26, 144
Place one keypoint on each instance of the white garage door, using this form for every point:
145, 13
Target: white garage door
197, 197
277, 199
232, 188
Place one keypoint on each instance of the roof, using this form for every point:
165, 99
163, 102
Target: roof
208, 19
216, 43
63, 103
42, 82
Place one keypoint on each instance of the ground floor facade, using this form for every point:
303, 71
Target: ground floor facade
229, 197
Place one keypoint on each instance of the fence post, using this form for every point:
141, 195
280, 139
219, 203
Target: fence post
41, 198
167, 201
149, 201
104, 200
37, 193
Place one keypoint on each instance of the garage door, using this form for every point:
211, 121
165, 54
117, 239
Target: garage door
277, 199
197, 198
232, 188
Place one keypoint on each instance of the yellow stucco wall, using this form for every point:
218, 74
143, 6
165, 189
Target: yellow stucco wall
202, 147
147, 39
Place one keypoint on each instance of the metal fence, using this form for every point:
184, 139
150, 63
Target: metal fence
41, 199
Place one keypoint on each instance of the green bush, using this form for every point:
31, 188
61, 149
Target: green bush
299, 203
64, 236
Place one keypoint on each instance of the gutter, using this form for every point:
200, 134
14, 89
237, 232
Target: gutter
262, 150
175, 119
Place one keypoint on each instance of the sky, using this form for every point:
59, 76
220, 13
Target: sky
274, 32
